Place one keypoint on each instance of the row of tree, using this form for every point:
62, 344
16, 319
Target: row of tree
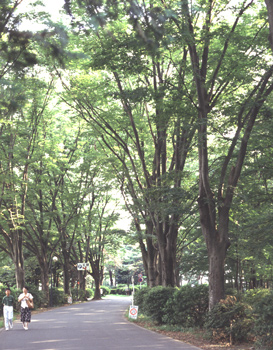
160, 99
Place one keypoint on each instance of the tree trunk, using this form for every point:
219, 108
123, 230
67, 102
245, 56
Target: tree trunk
66, 272
97, 295
151, 262
45, 277
96, 275
269, 5
217, 255
237, 273
111, 278
167, 248
20, 276
152, 265
253, 279
149, 252
217, 244
18, 258
101, 275
82, 278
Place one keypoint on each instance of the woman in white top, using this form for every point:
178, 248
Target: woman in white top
25, 310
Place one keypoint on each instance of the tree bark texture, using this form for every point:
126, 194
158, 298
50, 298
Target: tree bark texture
269, 4
96, 275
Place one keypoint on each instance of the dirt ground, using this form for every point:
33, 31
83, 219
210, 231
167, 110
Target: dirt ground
195, 339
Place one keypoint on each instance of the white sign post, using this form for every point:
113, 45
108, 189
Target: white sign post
133, 293
133, 312
140, 279
133, 309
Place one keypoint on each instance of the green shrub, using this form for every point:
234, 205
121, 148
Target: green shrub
155, 300
113, 290
79, 294
89, 293
254, 296
58, 297
105, 290
121, 290
188, 306
230, 320
264, 322
139, 298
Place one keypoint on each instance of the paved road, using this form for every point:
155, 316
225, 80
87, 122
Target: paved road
96, 325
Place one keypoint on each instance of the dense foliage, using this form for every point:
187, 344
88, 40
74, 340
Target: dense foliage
236, 319
160, 109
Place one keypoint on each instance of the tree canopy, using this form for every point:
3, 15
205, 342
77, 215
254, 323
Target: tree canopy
165, 105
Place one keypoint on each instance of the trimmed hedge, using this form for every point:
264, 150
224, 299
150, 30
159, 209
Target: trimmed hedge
188, 306
121, 291
155, 300
105, 290
139, 298
58, 297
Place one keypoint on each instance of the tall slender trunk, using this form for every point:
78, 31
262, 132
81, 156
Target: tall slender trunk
82, 279
97, 295
19, 275
152, 254
18, 258
111, 278
167, 249
66, 272
269, 5
217, 256
149, 252
217, 242
44, 276
96, 275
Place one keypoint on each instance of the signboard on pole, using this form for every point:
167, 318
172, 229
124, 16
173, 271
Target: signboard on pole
133, 312
140, 277
83, 266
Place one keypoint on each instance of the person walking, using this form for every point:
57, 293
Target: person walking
25, 298
8, 309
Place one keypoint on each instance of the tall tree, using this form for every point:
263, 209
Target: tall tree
144, 83
209, 37
18, 135
214, 206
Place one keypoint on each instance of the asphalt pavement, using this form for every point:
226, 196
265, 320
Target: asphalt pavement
95, 325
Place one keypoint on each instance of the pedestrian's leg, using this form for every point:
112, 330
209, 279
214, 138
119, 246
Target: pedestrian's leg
6, 318
27, 318
10, 316
23, 316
